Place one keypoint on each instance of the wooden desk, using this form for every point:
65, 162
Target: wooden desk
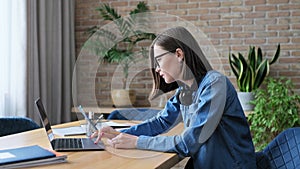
95, 159
106, 110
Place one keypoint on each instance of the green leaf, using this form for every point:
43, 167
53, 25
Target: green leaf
261, 72
247, 82
234, 64
108, 13
252, 57
141, 7
276, 56
244, 74
259, 56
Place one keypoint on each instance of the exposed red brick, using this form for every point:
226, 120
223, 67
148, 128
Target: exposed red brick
220, 35
231, 3
242, 35
255, 41
188, 6
198, 11
295, 13
254, 28
278, 2
278, 14
256, 2
209, 4
219, 23
279, 40
295, 6
266, 8
177, 13
210, 17
242, 9
167, 7
179, 1
255, 15
289, 60
231, 41
118, 3
242, 22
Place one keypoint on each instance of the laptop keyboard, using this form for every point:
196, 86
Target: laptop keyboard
67, 143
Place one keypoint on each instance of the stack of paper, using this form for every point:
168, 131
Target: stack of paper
29, 156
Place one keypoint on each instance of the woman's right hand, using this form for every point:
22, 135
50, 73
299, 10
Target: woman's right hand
105, 132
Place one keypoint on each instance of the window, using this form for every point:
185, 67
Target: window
13, 58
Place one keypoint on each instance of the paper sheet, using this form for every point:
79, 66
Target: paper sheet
115, 125
79, 130
69, 131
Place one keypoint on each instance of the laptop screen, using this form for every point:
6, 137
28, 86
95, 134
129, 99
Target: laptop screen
44, 119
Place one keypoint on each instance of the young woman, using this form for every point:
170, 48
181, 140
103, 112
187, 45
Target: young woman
216, 131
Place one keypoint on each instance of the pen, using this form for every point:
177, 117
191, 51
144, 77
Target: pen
99, 118
85, 116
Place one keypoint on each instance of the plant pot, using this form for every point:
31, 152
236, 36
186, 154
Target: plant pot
123, 97
245, 98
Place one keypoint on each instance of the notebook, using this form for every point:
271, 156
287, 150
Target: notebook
65, 144
29, 156
24, 154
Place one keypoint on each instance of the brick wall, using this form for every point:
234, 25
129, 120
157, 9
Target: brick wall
229, 25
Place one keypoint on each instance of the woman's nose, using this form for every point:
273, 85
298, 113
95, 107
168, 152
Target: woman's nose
157, 69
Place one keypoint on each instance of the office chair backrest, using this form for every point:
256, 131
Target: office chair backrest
262, 161
12, 125
283, 152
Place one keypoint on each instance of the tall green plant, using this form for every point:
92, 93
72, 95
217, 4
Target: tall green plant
251, 72
117, 41
277, 108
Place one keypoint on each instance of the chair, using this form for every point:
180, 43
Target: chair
12, 125
283, 152
133, 114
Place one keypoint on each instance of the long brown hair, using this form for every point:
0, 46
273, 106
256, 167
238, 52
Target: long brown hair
196, 64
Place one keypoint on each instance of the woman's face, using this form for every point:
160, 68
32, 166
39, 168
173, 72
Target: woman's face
169, 63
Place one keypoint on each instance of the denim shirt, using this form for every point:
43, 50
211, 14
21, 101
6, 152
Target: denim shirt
216, 133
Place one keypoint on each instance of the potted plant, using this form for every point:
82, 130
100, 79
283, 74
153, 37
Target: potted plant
277, 107
117, 43
250, 72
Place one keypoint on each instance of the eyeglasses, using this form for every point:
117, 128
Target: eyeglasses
161, 55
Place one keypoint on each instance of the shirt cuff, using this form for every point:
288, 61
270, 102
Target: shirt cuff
142, 142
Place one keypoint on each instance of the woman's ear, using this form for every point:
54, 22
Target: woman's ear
179, 54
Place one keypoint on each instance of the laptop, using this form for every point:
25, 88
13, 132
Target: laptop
65, 144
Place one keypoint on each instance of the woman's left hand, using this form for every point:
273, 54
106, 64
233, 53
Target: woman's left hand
124, 140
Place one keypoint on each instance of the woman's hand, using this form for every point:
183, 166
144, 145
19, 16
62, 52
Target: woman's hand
124, 140
116, 139
105, 132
